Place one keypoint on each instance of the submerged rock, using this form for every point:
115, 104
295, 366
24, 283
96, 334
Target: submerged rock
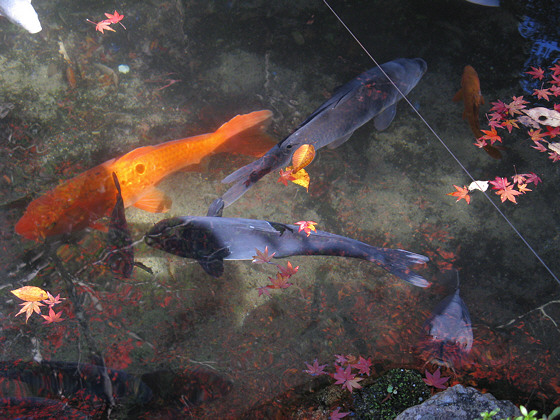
395, 391
459, 403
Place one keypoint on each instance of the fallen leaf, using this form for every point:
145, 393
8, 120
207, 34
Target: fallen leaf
30, 293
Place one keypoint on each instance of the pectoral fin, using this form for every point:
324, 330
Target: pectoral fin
382, 121
458, 96
214, 267
338, 142
154, 201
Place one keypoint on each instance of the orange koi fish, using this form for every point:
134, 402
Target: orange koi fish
77, 203
472, 98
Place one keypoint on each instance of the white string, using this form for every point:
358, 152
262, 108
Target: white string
443, 143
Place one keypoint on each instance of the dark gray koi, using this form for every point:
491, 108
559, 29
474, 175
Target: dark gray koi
212, 239
370, 95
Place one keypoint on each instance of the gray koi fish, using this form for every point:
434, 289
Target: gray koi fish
370, 95
212, 239
22, 13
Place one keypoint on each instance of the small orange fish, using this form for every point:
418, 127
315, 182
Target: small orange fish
472, 97
77, 203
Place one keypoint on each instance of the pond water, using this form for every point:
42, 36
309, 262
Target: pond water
173, 341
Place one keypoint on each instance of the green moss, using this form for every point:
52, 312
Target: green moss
391, 394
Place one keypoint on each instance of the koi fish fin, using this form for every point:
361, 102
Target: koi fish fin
101, 227
383, 120
458, 96
216, 209
155, 201
213, 264
246, 134
398, 262
338, 142
139, 151
492, 151
214, 267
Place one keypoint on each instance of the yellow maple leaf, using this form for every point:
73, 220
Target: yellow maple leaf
30, 293
301, 177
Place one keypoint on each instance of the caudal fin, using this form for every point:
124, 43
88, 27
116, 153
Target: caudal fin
398, 262
246, 134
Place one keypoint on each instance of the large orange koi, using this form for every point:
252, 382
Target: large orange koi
472, 97
77, 203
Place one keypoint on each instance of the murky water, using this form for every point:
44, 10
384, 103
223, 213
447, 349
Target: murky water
178, 342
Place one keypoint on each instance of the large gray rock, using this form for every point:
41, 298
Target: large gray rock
459, 403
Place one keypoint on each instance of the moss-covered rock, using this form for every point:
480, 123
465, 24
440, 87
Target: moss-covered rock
394, 392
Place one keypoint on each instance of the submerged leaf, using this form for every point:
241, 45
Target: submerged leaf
301, 177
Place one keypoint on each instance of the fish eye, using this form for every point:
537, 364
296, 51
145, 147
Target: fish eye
140, 168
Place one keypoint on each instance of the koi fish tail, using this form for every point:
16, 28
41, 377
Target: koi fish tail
245, 134
398, 262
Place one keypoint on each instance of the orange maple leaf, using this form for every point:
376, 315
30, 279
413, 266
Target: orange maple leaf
29, 308
508, 193
461, 193
285, 176
491, 135
307, 226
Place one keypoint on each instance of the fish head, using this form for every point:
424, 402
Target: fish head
22, 13
187, 237
166, 235
406, 72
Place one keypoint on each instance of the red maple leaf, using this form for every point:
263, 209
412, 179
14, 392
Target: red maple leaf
556, 68
346, 378
51, 300
515, 106
337, 415
461, 193
500, 108
499, 183
554, 156
435, 379
53, 316
537, 73
542, 93
115, 17
552, 131
532, 177
536, 135
518, 178
363, 366
263, 290
279, 282
103, 25
263, 257
315, 369
289, 270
